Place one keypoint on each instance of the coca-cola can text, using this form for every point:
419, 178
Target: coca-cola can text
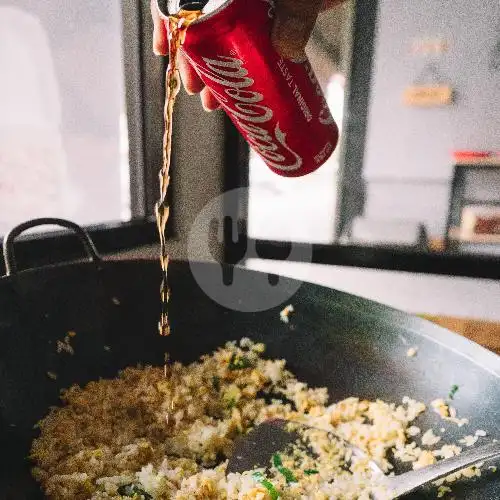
276, 104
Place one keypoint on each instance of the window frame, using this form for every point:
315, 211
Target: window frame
228, 169
351, 188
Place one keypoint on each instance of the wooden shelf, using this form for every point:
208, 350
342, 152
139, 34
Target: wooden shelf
491, 161
491, 239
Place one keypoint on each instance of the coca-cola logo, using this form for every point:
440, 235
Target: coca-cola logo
233, 89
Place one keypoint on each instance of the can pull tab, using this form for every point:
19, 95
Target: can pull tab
174, 6
192, 5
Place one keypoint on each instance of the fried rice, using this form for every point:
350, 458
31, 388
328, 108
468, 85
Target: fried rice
155, 433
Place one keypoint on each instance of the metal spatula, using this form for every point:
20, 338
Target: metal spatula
257, 448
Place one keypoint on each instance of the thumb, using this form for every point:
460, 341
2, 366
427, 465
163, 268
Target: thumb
293, 25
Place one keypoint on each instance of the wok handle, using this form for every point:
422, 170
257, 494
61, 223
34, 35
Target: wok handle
8, 242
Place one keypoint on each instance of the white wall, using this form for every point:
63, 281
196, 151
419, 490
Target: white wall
408, 160
62, 104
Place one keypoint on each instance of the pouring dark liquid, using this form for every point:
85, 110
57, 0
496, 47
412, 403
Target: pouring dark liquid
177, 27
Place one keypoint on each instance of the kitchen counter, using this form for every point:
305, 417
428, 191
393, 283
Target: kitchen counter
485, 333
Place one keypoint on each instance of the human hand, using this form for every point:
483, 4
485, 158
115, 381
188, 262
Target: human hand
293, 24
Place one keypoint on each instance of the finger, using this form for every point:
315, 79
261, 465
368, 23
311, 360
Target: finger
160, 38
192, 82
208, 101
293, 25
329, 4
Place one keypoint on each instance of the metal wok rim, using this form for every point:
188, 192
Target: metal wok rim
460, 345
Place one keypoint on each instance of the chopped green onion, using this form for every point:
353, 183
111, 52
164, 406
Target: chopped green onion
277, 460
310, 472
130, 490
231, 403
259, 477
239, 362
272, 490
453, 391
287, 473
216, 383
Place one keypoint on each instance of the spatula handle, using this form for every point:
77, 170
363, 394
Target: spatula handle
405, 483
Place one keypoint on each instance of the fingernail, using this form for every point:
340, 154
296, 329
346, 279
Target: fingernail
289, 53
299, 59
209, 109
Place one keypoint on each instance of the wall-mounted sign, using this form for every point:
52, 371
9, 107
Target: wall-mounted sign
429, 89
428, 95
427, 46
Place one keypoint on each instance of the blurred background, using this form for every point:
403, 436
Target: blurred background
413, 191
63, 136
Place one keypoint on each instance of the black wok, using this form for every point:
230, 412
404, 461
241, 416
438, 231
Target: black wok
351, 345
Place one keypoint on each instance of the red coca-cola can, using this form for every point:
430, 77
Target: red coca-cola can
276, 104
